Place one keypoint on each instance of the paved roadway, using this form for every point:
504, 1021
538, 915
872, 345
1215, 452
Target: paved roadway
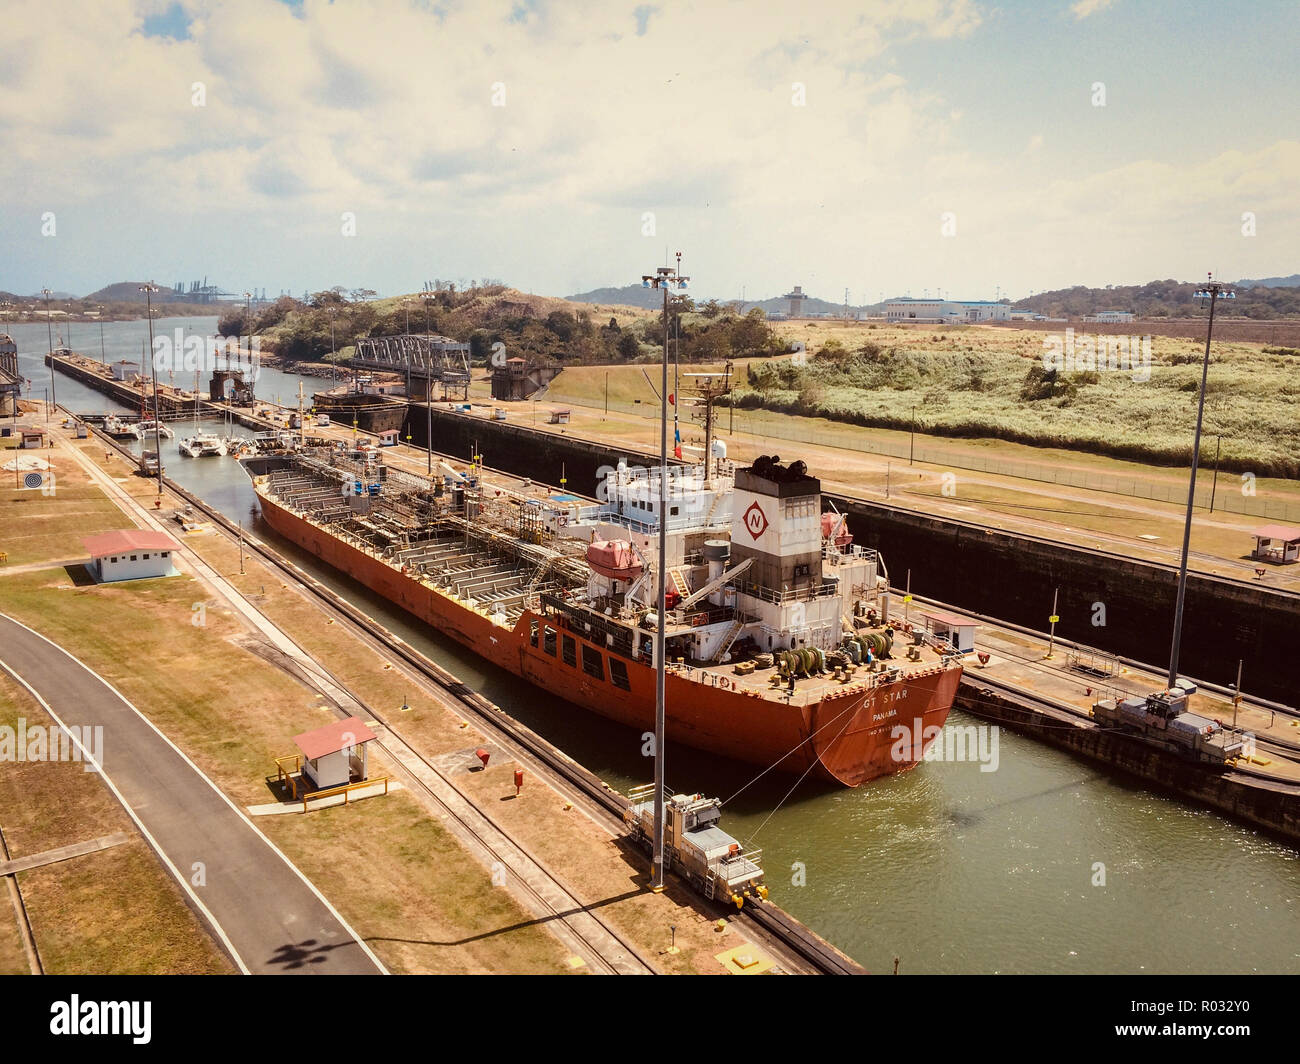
266, 913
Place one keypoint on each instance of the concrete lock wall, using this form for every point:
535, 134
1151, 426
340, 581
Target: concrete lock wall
999, 574
1012, 577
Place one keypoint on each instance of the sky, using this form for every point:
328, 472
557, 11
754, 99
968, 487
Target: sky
890, 147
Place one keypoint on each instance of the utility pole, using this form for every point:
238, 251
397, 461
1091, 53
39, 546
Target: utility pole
49, 331
148, 291
1213, 291
1051, 638
1214, 486
664, 277
102, 357
911, 448
334, 366
1236, 695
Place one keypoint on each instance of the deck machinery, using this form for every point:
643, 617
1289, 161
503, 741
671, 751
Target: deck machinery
703, 854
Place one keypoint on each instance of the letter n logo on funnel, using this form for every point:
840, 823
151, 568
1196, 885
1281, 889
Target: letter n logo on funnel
755, 520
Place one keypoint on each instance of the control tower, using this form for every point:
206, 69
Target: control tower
796, 299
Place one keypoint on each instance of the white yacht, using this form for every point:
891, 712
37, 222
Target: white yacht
121, 430
202, 445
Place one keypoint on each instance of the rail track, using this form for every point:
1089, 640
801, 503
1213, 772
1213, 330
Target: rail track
788, 939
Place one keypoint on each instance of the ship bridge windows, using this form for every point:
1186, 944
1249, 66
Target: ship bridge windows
618, 674
570, 651
548, 641
591, 663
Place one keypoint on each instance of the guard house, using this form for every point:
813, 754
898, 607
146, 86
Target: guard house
959, 631
31, 438
126, 371
559, 417
389, 438
335, 755
133, 554
1279, 544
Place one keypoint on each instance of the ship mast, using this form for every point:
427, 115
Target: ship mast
708, 389
665, 278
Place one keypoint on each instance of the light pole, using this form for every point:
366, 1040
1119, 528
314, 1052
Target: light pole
248, 309
1213, 291
664, 277
334, 366
49, 331
102, 356
148, 291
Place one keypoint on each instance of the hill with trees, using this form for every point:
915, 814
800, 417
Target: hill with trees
1162, 299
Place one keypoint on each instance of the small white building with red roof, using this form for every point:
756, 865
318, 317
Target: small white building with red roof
132, 554
1279, 544
335, 754
959, 631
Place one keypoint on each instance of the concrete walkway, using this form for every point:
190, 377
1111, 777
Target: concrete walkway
268, 915
63, 853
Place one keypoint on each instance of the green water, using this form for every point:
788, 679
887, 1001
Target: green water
948, 868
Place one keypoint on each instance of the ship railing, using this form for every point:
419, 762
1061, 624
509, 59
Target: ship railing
853, 551
642, 792
698, 618
740, 867
825, 590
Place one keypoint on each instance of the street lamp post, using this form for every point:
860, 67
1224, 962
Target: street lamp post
148, 291
1213, 291
49, 331
102, 356
665, 278
248, 309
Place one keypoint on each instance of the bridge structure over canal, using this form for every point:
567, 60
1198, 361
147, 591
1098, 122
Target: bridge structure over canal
425, 360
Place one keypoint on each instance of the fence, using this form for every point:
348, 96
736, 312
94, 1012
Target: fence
1227, 497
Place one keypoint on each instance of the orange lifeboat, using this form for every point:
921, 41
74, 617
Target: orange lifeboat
614, 559
829, 522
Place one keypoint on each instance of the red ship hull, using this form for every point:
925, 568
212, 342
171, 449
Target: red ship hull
847, 736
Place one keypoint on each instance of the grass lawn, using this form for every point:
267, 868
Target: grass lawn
39, 527
118, 911
384, 862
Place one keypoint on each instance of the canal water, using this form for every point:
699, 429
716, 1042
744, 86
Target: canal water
1044, 865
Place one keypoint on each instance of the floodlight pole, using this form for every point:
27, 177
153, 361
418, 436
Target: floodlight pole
665, 277
49, 331
148, 291
1213, 291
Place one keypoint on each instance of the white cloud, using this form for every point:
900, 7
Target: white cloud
1084, 8
385, 109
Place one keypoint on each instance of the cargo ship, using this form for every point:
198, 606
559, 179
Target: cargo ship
780, 650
